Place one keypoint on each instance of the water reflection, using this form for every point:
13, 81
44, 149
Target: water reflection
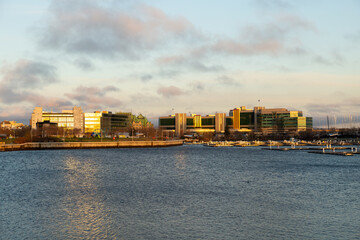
180, 163
180, 166
86, 216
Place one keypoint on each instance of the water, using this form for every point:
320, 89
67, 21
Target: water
186, 192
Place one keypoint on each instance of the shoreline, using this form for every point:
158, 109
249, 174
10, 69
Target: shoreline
87, 145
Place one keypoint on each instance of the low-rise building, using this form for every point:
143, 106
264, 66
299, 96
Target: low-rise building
11, 124
97, 122
106, 122
259, 120
67, 119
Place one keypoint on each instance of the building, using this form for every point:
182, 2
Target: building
104, 122
242, 119
10, 124
47, 129
66, 119
112, 123
281, 120
107, 122
69, 119
258, 120
92, 122
181, 124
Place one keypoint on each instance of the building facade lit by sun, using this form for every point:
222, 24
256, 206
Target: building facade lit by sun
97, 122
258, 120
69, 119
92, 122
11, 125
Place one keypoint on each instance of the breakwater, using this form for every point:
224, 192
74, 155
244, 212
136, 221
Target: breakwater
84, 145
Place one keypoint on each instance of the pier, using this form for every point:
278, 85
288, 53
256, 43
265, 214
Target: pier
87, 145
334, 153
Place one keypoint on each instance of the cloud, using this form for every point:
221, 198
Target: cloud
20, 81
17, 113
198, 86
84, 64
335, 58
354, 37
323, 108
146, 77
169, 73
265, 39
279, 36
298, 51
26, 73
227, 81
271, 4
105, 30
260, 46
94, 97
188, 63
110, 89
344, 106
170, 91
322, 60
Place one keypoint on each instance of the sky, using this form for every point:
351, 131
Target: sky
158, 57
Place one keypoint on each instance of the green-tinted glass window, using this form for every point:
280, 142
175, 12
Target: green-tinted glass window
189, 121
167, 121
207, 121
247, 118
229, 121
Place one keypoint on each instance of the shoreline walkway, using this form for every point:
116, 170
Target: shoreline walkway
87, 145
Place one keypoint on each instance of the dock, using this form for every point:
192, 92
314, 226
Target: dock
325, 150
334, 153
287, 149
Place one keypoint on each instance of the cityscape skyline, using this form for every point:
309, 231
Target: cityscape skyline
161, 57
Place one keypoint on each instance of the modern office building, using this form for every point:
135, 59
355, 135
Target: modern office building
281, 120
68, 119
259, 120
270, 120
115, 122
85, 122
181, 124
107, 121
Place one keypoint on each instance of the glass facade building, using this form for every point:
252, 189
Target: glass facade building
241, 119
97, 122
67, 119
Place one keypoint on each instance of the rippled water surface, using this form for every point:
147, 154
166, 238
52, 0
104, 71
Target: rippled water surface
187, 192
